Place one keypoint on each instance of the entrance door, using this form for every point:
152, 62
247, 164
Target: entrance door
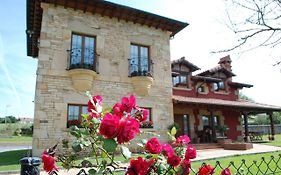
206, 136
183, 121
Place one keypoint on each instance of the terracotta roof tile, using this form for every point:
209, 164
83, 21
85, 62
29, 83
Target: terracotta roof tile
226, 103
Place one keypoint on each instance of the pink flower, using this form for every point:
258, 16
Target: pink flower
128, 129
226, 172
153, 146
139, 167
128, 103
190, 152
167, 150
186, 164
49, 162
206, 170
184, 139
174, 160
109, 125
141, 114
117, 109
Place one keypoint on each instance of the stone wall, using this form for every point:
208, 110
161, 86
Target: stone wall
54, 89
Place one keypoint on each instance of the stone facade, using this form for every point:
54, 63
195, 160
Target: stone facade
54, 86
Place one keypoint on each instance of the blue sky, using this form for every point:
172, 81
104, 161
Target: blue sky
205, 33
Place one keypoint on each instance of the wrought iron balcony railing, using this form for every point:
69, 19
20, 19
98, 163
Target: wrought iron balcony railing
140, 69
86, 60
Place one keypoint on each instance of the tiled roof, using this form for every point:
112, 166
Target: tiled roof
216, 69
239, 85
188, 64
205, 79
239, 104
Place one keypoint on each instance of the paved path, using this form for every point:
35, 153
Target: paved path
201, 155
11, 148
215, 153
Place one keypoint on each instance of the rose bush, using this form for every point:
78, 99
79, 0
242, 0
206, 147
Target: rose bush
107, 131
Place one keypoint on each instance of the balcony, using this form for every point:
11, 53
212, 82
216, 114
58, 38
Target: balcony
82, 68
141, 77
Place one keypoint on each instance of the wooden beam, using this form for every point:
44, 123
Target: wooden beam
85, 6
75, 6
65, 4
245, 116
272, 129
214, 137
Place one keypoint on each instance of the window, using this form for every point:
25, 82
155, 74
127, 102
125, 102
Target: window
207, 121
74, 114
180, 80
201, 89
82, 53
139, 61
218, 86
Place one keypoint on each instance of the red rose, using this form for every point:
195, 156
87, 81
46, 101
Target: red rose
153, 146
95, 106
109, 125
49, 162
141, 114
184, 139
186, 164
174, 160
190, 152
167, 150
128, 128
206, 170
139, 167
117, 110
226, 172
128, 103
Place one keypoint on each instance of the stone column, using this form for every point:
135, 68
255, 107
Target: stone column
271, 126
214, 137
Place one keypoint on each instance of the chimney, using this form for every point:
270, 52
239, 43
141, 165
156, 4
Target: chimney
225, 62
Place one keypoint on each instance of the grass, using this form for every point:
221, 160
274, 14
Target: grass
276, 142
16, 139
237, 160
10, 161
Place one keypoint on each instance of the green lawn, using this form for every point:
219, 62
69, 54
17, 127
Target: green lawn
16, 139
276, 142
10, 161
237, 160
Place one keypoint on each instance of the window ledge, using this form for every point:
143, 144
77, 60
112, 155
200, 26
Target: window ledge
142, 84
182, 88
221, 92
82, 79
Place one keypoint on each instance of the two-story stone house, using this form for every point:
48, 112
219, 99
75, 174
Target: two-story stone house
101, 47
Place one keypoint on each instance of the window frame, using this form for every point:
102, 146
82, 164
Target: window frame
79, 115
139, 72
219, 86
83, 49
179, 77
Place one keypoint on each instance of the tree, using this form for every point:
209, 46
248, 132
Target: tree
244, 97
256, 23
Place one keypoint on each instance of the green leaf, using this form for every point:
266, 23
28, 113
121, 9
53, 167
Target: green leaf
76, 134
86, 143
173, 131
103, 155
85, 116
109, 145
96, 121
92, 171
144, 141
161, 168
77, 146
106, 110
126, 152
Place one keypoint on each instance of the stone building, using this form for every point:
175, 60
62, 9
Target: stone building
101, 47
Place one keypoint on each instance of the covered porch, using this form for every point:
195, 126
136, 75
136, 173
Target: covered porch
206, 120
